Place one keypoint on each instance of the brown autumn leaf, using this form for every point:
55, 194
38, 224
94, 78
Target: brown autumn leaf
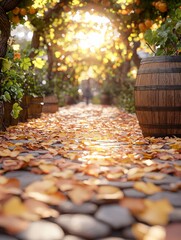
155, 212
26, 158
48, 168
44, 186
10, 165
145, 232
109, 192
53, 198
45, 191
41, 209
3, 180
80, 194
10, 186
65, 174
9, 153
15, 207
147, 188
65, 184
13, 224
135, 205
135, 174
165, 156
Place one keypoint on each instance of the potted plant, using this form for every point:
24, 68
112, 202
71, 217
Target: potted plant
158, 83
32, 102
51, 104
33, 94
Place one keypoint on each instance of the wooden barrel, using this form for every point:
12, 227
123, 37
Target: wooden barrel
50, 104
158, 96
1, 116
25, 102
8, 120
35, 107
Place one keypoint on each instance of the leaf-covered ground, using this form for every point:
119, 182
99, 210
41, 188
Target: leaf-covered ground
88, 173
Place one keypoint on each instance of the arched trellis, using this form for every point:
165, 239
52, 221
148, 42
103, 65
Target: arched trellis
51, 13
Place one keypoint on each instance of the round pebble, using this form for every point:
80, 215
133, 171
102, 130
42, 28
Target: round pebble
133, 193
5, 237
71, 237
85, 208
42, 230
83, 225
115, 215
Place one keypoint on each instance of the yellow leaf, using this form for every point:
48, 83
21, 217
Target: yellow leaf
45, 186
48, 168
3, 180
39, 62
156, 212
140, 230
147, 188
144, 232
109, 192
14, 207
80, 194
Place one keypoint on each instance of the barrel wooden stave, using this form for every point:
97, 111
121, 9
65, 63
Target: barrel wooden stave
50, 104
35, 107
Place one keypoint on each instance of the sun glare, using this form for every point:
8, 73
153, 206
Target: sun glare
91, 40
95, 38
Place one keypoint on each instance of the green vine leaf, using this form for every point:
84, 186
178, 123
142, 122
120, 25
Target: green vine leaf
25, 64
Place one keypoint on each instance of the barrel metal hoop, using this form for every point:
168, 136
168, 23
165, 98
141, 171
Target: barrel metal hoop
161, 59
159, 70
161, 126
158, 108
157, 87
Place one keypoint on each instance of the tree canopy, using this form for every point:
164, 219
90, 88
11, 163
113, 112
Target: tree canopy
94, 36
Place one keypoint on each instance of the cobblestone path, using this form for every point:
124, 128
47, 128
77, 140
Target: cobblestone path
88, 173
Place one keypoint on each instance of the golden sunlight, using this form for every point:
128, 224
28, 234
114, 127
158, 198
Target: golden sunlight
92, 40
101, 31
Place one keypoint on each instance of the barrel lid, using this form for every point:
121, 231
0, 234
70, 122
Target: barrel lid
161, 59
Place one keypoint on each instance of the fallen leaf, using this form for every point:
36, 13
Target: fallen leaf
147, 188
13, 207
144, 232
155, 212
135, 205
40, 208
48, 168
109, 192
12, 224
80, 194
